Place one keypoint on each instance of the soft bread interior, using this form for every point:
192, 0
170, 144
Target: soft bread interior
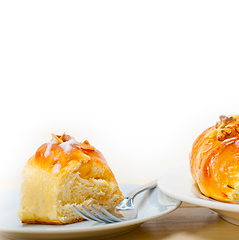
80, 188
48, 197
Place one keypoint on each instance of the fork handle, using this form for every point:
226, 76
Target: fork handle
140, 189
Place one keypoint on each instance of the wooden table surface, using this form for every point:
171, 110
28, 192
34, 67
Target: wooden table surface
186, 222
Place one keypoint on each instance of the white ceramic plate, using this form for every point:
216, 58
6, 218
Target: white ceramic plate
178, 183
10, 226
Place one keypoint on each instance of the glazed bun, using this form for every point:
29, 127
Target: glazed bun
61, 173
214, 160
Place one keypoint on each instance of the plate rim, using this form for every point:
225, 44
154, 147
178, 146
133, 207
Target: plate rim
99, 227
184, 172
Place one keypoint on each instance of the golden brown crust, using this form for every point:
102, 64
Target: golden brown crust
214, 160
51, 223
50, 154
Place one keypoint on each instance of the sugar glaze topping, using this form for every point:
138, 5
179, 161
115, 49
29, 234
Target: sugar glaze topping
56, 168
48, 149
67, 146
66, 142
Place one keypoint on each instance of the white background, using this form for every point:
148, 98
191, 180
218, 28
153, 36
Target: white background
139, 79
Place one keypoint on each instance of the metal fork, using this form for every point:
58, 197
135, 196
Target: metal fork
125, 208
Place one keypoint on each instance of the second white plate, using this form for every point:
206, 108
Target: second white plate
178, 183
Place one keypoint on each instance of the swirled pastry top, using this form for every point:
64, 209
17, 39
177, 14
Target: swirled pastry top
214, 160
62, 150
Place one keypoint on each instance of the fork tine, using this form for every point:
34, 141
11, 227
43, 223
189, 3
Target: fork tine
111, 216
99, 214
82, 214
96, 218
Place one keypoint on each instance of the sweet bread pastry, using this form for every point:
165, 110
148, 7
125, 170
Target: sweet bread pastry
61, 173
214, 160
